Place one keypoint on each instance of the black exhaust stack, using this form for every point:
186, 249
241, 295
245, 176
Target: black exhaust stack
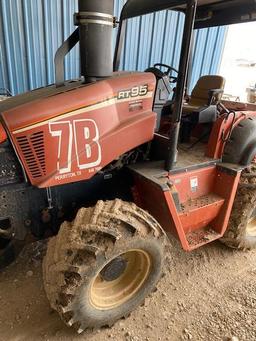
95, 20
95, 23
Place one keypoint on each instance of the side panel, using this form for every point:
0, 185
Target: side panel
71, 136
193, 205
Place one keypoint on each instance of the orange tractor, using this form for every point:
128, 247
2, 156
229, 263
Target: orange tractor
108, 164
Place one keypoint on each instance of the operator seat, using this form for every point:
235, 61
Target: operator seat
201, 107
207, 91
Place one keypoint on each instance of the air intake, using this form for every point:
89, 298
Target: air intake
32, 148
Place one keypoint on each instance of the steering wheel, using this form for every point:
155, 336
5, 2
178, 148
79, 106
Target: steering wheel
168, 71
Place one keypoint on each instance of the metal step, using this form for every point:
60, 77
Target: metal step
200, 237
199, 212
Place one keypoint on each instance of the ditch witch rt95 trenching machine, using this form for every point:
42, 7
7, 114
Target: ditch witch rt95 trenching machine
116, 163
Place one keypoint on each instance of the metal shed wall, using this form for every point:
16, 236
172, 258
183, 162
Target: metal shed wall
32, 30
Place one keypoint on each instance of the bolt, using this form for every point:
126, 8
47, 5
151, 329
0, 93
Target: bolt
27, 222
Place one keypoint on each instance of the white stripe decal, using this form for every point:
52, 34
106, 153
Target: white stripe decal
84, 110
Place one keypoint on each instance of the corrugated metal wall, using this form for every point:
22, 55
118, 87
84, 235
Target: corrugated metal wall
32, 30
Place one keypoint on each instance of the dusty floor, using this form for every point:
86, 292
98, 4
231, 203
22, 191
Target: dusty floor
209, 294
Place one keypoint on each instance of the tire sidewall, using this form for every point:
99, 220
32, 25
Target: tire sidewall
94, 317
247, 240
236, 235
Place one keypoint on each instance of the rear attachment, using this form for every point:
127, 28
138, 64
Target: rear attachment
193, 203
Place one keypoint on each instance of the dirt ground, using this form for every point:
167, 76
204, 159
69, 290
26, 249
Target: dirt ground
209, 294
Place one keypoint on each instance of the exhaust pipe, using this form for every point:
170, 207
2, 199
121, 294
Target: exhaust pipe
95, 21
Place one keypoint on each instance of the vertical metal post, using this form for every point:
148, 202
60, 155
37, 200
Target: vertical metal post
182, 76
190, 62
119, 43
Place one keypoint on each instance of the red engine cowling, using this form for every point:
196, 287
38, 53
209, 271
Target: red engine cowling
3, 135
71, 135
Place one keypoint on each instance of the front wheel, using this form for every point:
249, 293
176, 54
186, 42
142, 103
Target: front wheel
101, 266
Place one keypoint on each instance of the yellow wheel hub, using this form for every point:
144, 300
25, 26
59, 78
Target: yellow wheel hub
111, 294
251, 227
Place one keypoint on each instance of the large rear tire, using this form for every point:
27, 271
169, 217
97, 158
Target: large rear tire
241, 231
101, 266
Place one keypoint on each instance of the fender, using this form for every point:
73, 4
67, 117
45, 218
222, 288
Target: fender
241, 147
219, 146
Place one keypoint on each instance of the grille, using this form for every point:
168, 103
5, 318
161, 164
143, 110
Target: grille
32, 148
